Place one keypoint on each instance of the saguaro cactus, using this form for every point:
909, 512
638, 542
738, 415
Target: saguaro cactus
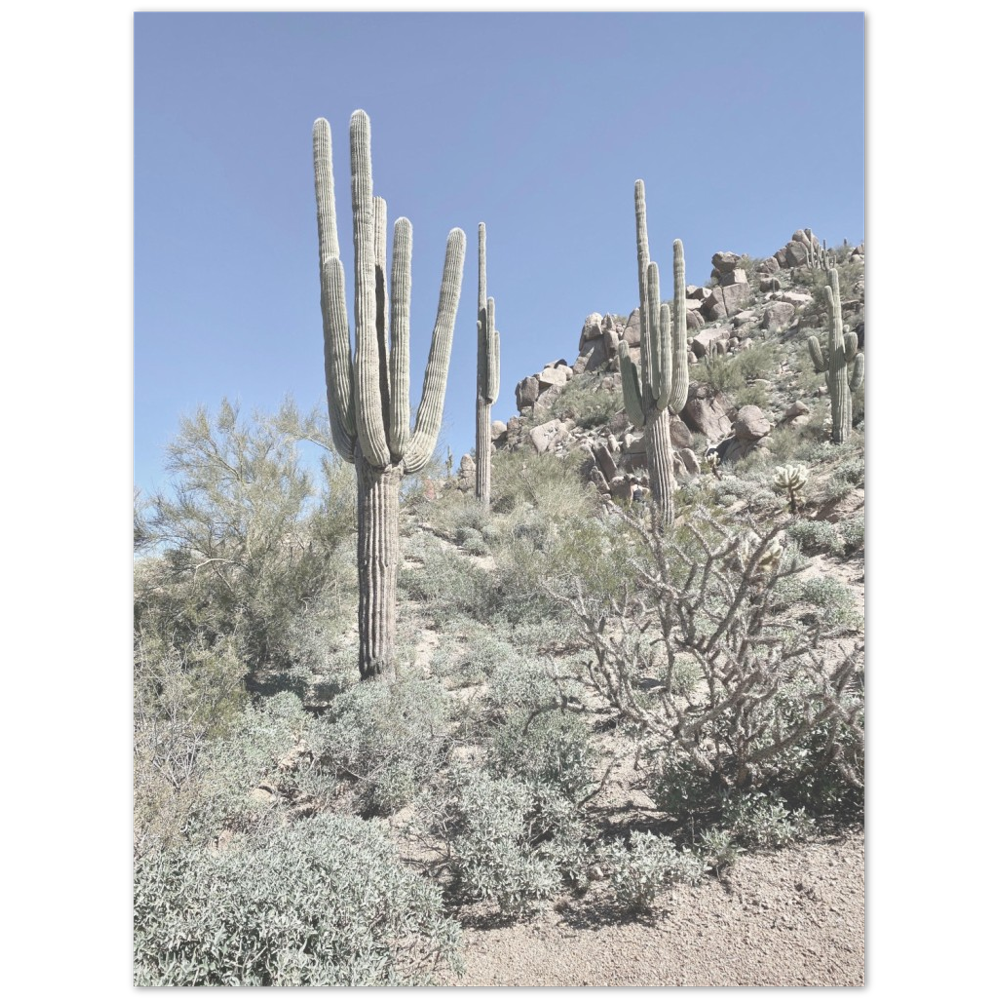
369, 394
660, 387
841, 351
487, 376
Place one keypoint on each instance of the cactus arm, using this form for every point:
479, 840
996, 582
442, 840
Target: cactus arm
381, 316
679, 389
326, 212
641, 237
816, 353
850, 345
857, 372
666, 373
630, 387
651, 357
492, 390
367, 380
431, 408
399, 357
337, 358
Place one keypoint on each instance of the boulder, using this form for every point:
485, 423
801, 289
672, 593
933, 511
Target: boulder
777, 316
695, 320
605, 461
498, 429
781, 256
705, 413
557, 374
689, 460
795, 254
725, 261
593, 356
735, 297
632, 332
546, 436
769, 265
598, 479
701, 343
526, 392
751, 424
795, 298
769, 283
744, 318
698, 293
591, 329
737, 277
680, 436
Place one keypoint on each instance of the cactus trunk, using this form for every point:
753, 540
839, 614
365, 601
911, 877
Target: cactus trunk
484, 445
660, 458
378, 561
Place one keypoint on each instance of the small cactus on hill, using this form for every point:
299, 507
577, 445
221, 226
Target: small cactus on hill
660, 386
791, 479
841, 351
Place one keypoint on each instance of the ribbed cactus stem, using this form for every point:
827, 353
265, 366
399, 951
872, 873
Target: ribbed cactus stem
368, 393
659, 386
487, 376
841, 351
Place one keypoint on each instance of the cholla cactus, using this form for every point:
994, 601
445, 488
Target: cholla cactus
841, 350
660, 387
369, 394
791, 478
487, 376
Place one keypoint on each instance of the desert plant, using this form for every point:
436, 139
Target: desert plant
840, 351
660, 387
487, 376
369, 396
323, 902
713, 594
791, 479
639, 872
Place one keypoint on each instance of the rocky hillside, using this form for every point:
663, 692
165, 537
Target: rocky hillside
750, 374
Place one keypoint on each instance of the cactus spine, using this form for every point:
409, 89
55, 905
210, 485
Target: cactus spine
841, 351
487, 376
368, 395
660, 387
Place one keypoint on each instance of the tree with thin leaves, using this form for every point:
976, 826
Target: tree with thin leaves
369, 394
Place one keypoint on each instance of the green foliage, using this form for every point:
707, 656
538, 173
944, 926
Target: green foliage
730, 373
547, 747
816, 536
511, 841
757, 820
247, 541
639, 873
584, 401
386, 741
324, 902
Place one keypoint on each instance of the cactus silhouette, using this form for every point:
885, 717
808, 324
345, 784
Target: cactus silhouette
487, 376
660, 386
841, 351
368, 395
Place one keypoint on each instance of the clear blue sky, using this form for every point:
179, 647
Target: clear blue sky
744, 127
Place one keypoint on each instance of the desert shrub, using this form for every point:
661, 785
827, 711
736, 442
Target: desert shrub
510, 841
732, 600
758, 820
816, 536
753, 395
472, 541
550, 747
324, 902
521, 683
470, 653
584, 401
447, 583
386, 741
641, 871
852, 530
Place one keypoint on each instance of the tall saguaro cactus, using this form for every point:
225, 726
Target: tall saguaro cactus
834, 359
487, 376
368, 394
660, 386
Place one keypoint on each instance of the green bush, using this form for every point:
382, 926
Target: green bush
550, 747
816, 536
324, 902
386, 741
640, 872
511, 842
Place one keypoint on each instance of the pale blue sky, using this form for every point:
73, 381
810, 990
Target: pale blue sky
745, 127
